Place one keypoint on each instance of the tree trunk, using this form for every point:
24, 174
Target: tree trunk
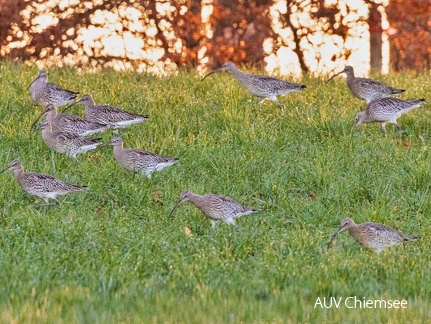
375, 28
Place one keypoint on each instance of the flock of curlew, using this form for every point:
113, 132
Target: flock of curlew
68, 134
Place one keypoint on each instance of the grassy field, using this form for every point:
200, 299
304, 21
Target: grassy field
112, 254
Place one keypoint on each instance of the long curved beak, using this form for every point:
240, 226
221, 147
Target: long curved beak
334, 76
212, 72
5, 169
31, 83
328, 245
108, 143
175, 207
37, 119
71, 105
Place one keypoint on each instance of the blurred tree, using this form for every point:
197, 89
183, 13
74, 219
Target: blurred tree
44, 29
154, 35
411, 34
11, 22
376, 34
239, 30
308, 22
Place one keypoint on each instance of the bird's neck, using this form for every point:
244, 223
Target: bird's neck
18, 173
350, 77
89, 106
354, 231
51, 114
237, 72
46, 133
87, 110
38, 85
118, 148
196, 199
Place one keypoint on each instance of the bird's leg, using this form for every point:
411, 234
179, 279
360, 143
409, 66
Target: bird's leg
48, 203
214, 223
398, 126
231, 221
383, 127
277, 103
55, 202
40, 205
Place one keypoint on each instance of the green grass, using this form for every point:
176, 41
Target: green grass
112, 255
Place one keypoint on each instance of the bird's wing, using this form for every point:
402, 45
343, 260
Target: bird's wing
56, 88
114, 114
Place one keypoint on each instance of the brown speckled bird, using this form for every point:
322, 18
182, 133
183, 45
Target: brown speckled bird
70, 123
261, 86
43, 92
67, 143
139, 160
386, 110
110, 115
372, 235
216, 207
366, 89
41, 185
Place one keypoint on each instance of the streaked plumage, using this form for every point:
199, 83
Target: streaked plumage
139, 160
71, 123
367, 89
386, 110
373, 235
67, 143
43, 92
109, 115
260, 85
39, 184
216, 207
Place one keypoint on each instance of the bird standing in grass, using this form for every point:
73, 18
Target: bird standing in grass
367, 89
43, 92
139, 160
372, 235
70, 123
386, 110
41, 185
216, 207
261, 86
67, 143
110, 115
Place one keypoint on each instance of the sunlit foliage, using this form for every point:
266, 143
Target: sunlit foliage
162, 35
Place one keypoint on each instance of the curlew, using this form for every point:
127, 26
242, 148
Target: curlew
139, 160
386, 110
216, 207
262, 86
377, 237
105, 114
67, 143
70, 123
43, 92
366, 89
41, 185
